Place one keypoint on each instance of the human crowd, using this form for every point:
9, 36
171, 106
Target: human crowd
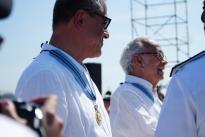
70, 104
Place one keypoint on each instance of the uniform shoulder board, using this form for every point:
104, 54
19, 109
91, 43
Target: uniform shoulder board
179, 66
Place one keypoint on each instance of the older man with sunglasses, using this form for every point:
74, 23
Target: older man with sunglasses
183, 112
135, 106
79, 29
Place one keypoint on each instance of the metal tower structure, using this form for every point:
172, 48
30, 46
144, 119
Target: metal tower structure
166, 21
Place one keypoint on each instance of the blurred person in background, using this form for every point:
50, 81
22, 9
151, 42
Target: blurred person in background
135, 106
159, 92
106, 100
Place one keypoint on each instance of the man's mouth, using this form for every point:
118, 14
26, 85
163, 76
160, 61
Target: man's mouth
160, 71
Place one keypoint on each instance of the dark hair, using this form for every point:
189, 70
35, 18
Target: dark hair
65, 9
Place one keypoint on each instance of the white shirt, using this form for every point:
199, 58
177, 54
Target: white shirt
10, 128
46, 76
132, 112
183, 111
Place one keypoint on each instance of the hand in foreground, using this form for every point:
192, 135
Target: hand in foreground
8, 109
52, 123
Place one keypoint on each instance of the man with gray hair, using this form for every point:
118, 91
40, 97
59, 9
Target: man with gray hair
135, 106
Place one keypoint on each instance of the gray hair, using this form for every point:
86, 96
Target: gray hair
135, 46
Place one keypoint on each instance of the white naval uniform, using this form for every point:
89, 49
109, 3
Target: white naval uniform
46, 76
183, 111
132, 112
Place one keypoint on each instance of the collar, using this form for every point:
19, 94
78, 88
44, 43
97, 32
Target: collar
143, 82
47, 46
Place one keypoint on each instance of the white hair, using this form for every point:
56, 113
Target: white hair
135, 46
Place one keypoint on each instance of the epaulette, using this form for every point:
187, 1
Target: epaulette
179, 66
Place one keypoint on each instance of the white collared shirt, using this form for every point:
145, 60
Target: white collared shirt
183, 111
46, 76
132, 112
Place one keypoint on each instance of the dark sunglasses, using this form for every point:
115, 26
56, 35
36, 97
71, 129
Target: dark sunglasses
106, 19
203, 17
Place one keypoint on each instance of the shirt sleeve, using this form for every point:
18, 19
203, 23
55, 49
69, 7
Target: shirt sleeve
43, 83
130, 117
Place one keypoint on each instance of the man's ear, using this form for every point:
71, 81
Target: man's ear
138, 60
78, 18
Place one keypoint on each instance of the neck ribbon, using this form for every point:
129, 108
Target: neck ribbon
73, 69
143, 89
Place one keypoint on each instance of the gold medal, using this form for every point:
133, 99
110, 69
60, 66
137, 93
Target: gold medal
98, 115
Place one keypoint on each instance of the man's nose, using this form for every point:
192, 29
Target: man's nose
106, 34
164, 61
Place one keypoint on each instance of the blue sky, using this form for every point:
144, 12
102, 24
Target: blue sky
30, 24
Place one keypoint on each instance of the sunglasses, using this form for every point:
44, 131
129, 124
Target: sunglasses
203, 17
106, 19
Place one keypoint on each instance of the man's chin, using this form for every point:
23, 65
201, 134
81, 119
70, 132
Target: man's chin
160, 77
96, 55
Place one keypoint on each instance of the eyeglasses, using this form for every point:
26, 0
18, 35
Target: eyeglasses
203, 17
106, 19
159, 55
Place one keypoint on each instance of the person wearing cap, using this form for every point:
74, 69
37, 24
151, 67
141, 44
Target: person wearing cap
79, 30
135, 106
183, 111
106, 100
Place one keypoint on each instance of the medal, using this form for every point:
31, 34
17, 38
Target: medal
98, 115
